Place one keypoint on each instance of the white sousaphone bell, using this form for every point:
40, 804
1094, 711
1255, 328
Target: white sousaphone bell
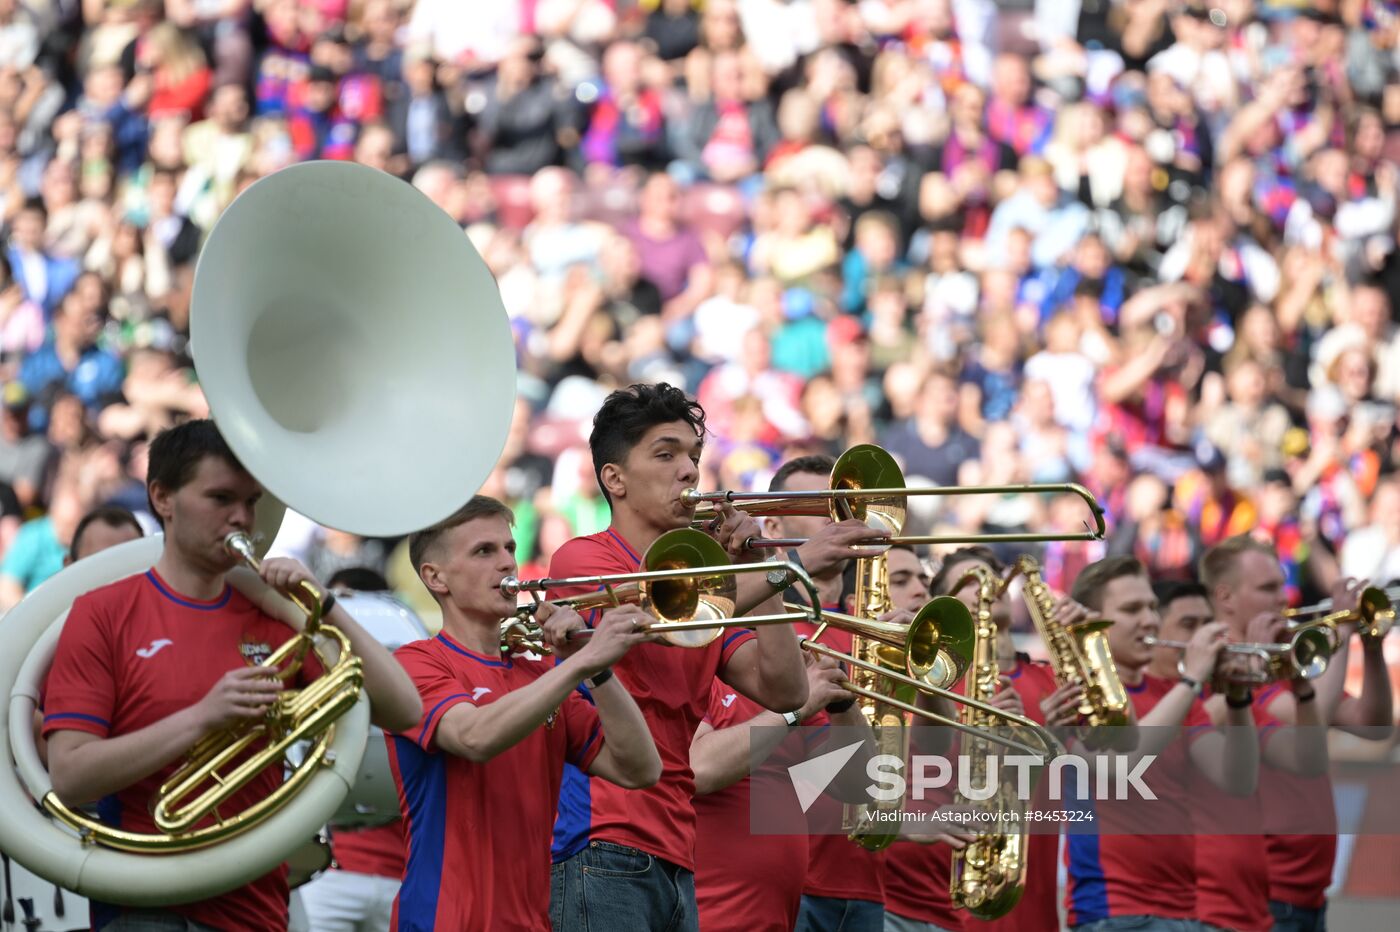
356, 355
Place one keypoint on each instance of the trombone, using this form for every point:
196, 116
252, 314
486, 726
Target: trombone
1374, 614
1305, 656
934, 650
867, 484
688, 584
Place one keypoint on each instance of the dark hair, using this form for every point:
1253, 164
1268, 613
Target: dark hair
818, 463
480, 506
1093, 579
941, 583
630, 412
359, 579
110, 515
1169, 590
176, 452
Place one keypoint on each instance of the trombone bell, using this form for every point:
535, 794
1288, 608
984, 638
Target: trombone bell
934, 648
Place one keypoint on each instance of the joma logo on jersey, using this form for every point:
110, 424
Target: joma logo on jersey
255, 652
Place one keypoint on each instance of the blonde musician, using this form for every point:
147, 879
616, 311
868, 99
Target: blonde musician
1108, 886
479, 774
1279, 879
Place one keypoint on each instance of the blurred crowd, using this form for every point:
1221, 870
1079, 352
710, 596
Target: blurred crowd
1145, 245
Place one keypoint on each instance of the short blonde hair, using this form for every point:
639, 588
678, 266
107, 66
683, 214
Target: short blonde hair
1218, 564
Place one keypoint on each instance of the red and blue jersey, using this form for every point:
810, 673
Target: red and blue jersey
478, 833
671, 686
729, 857
1122, 870
135, 652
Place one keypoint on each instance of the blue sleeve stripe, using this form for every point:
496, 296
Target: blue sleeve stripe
597, 728
79, 716
428, 722
737, 633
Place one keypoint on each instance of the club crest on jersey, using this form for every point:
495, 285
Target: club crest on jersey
255, 652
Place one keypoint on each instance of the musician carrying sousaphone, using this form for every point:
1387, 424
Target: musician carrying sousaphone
149, 665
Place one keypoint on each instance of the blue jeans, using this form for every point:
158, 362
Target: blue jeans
895, 923
1140, 924
827, 914
608, 887
1290, 918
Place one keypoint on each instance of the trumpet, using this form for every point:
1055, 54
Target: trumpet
1374, 614
1305, 656
688, 584
200, 786
868, 485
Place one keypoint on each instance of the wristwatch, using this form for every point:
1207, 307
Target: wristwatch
1193, 684
792, 719
780, 578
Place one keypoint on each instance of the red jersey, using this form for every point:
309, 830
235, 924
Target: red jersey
916, 876
671, 686
377, 851
1300, 866
837, 867
1037, 911
729, 858
478, 834
1232, 878
1109, 871
135, 652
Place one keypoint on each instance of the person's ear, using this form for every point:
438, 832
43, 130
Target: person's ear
613, 481
162, 499
431, 575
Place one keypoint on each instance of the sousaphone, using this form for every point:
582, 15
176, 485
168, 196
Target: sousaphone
356, 355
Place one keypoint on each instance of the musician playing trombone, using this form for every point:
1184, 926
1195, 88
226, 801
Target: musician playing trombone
1279, 880
841, 879
625, 859
148, 665
479, 774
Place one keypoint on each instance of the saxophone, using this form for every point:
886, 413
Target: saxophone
872, 596
1079, 653
989, 874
